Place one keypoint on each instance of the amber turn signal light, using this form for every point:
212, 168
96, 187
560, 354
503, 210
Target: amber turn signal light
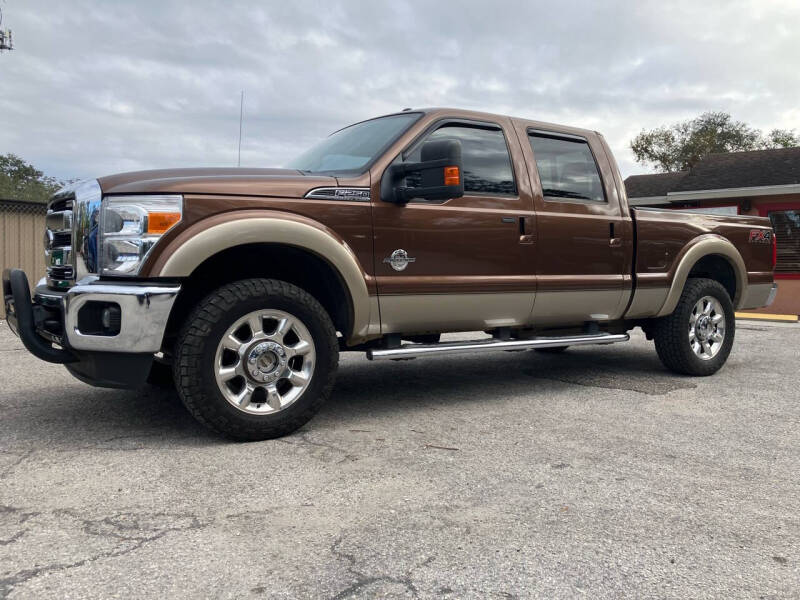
452, 176
160, 222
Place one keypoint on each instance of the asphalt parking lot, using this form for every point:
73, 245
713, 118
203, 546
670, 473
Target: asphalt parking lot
593, 474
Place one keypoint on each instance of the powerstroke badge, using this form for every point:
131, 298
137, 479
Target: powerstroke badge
399, 259
760, 236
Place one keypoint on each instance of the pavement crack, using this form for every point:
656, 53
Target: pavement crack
133, 530
649, 387
363, 580
24, 516
21, 458
303, 439
13, 538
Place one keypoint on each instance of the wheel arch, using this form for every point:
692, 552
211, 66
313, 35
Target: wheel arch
220, 249
711, 256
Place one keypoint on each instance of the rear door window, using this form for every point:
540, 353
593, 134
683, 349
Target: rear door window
567, 168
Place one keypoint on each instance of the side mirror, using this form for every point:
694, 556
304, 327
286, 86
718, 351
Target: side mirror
440, 174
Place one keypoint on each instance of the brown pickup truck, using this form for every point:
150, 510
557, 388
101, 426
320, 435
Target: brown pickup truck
243, 285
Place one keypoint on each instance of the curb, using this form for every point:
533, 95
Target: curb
767, 317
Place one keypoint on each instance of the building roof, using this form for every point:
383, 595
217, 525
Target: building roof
659, 184
730, 170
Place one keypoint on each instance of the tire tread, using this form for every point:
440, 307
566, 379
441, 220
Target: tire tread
193, 340
670, 332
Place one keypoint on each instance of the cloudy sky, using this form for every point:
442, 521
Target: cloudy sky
95, 87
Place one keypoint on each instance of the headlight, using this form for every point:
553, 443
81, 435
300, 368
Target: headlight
131, 226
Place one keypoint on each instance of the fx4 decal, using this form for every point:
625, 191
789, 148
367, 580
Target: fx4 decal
760, 236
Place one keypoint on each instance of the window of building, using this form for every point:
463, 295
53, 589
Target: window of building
786, 224
486, 164
566, 168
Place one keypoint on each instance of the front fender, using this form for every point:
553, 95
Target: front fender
208, 237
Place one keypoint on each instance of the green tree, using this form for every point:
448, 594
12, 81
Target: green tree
682, 145
22, 181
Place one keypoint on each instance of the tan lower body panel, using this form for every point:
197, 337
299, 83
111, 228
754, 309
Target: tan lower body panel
647, 301
570, 307
417, 313
373, 329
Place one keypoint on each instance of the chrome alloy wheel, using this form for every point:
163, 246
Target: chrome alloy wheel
264, 361
707, 327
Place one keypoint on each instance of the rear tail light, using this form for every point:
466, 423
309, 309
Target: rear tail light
774, 250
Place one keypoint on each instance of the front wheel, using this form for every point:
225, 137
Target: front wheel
697, 337
256, 359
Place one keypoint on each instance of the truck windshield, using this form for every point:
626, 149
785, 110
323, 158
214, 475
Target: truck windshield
354, 147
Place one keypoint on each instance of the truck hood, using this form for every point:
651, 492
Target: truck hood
284, 183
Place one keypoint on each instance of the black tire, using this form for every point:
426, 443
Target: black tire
556, 350
196, 348
671, 333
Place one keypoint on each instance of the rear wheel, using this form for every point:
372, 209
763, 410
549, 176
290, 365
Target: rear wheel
697, 337
256, 359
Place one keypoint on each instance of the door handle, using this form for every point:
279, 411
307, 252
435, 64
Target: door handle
525, 230
613, 241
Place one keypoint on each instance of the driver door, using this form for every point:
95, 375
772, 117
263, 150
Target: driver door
465, 263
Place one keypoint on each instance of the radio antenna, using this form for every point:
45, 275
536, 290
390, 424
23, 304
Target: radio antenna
241, 113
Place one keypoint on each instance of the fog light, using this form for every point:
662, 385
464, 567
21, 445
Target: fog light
111, 319
99, 318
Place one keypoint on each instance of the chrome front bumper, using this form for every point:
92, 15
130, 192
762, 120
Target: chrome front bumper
144, 311
105, 334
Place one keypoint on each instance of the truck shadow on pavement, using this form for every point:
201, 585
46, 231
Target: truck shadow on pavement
446, 381
97, 418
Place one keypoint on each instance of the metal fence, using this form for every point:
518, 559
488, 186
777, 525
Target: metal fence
21, 231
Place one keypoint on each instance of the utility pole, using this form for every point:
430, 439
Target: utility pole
241, 113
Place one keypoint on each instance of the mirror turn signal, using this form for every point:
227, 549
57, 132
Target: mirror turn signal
452, 176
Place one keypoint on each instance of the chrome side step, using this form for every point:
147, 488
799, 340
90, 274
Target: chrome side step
415, 350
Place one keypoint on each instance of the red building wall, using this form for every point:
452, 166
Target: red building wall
788, 299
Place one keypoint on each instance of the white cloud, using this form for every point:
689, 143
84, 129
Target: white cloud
98, 87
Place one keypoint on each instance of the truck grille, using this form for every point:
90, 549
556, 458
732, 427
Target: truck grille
62, 238
61, 203
72, 231
58, 241
61, 273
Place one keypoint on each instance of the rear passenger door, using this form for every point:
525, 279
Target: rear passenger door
580, 258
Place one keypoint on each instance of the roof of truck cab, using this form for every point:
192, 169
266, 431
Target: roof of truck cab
487, 116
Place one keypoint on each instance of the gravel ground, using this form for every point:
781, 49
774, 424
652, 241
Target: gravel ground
592, 474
